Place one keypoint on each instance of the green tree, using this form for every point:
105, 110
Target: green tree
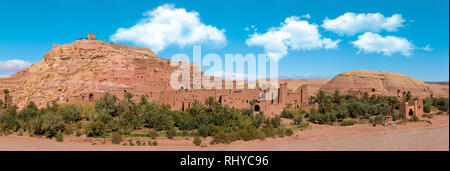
143, 101
107, 104
408, 96
253, 103
70, 113
28, 113
196, 109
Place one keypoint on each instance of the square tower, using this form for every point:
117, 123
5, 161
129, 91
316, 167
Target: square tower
91, 36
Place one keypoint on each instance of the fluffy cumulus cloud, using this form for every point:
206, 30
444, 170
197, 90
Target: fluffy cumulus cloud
167, 25
14, 65
351, 23
293, 34
388, 45
11, 66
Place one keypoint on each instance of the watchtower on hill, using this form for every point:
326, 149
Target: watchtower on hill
91, 36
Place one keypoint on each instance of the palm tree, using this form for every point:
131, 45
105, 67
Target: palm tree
128, 96
408, 96
253, 103
6, 93
211, 103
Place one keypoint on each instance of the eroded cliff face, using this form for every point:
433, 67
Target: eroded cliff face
388, 83
81, 67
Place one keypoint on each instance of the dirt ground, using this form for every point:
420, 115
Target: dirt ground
408, 136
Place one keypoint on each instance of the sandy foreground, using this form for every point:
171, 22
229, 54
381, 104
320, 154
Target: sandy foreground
405, 137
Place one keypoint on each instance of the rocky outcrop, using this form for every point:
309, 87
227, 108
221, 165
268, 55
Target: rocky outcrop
386, 83
83, 66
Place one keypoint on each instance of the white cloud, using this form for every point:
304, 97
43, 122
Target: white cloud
293, 34
252, 27
13, 65
351, 23
388, 45
167, 25
307, 16
427, 48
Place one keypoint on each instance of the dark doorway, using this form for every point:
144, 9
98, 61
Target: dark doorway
91, 96
411, 112
257, 109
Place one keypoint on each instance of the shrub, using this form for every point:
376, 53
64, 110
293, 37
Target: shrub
289, 132
342, 112
281, 132
8, 119
154, 143
78, 133
379, 118
52, 124
68, 129
303, 125
357, 109
249, 133
287, 114
275, 121
185, 121
116, 138
323, 118
152, 134
103, 117
129, 120
399, 116
427, 108
223, 137
258, 120
298, 119
59, 137
138, 142
130, 141
269, 131
205, 130
171, 133
162, 122
441, 103
348, 123
197, 141
29, 113
107, 104
414, 118
96, 128
70, 113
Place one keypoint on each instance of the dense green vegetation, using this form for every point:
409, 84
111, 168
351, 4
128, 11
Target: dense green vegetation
110, 117
435, 103
336, 107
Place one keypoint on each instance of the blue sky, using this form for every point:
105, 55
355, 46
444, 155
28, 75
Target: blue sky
28, 29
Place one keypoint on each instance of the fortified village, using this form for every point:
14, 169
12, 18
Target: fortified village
88, 69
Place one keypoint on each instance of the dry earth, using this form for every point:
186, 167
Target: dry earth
410, 136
